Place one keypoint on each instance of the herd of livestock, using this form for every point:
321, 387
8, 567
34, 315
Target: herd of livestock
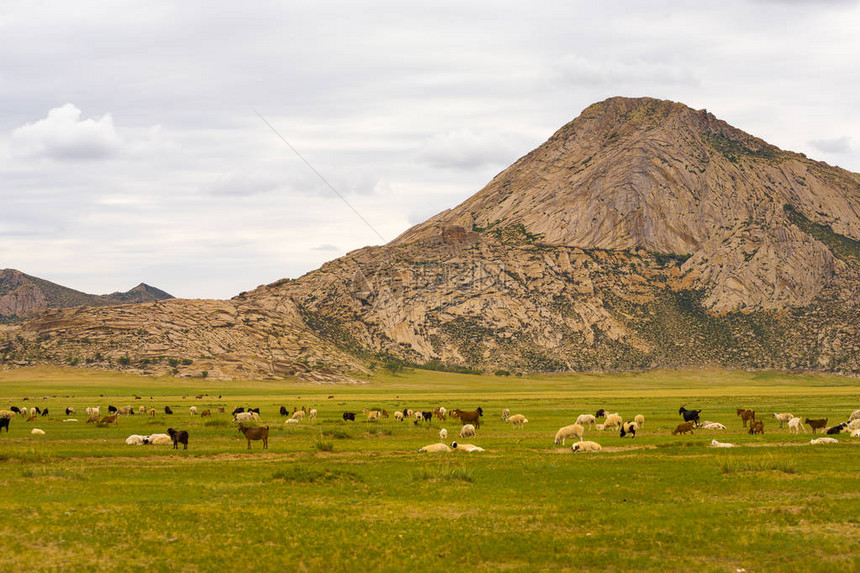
248, 423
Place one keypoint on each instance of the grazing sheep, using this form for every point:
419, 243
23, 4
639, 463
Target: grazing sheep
629, 429
506, 413
586, 446
152, 412
417, 415
716, 444
298, 415
783, 418
158, 440
193, 410
37, 431
434, 448
427, 415
283, 411
585, 420
349, 416
795, 425
178, 437
568, 432
135, 440
711, 426
746, 415
7, 414
291, 421
855, 415
756, 427
398, 416
34, 412
613, 421
207, 413
465, 447
371, 414
518, 421
683, 428
141, 410
256, 434
816, 424
819, 441
599, 427
467, 431
443, 434
112, 419
640, 420
4, 423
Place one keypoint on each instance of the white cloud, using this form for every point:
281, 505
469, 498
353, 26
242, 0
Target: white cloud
833, 145
469, 149
64, 135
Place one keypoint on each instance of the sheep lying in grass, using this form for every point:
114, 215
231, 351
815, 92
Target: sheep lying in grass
135, 440
820, 441
586, 446
256, 434
465, 447
518, 420
855, 433
37, 431
585, 420
70, 420
854, 424
443, 434
711, 426
158, 440
434, 448
568, 432
290, 421
467, 431
783, 418
716, 444
855, 415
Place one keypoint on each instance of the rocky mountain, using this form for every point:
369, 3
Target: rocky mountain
642, 234
23, 296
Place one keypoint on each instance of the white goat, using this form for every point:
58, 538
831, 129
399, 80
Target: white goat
783, 418
795, 425
571, 431
312, 415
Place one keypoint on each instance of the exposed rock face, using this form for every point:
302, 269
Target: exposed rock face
23, 296
642, 234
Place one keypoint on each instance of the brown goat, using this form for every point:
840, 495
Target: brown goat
756, 427
468, 417
746, 415
816, 424
683, 428
94, 418
109, 420
206, 412
255, 434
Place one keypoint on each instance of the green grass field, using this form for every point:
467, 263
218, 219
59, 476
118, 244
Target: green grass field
336, 496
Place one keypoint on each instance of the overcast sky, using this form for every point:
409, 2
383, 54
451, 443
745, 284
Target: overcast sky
131, 149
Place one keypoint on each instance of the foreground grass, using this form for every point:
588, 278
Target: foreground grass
333, 495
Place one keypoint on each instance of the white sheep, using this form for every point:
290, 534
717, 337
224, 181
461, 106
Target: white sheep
783, 418
467, 431
93, 411
711, 426
855, 415
135, 440
640, 420
70, 420
193, 410
586, 446
243, 417
854, 424
855, 433
434, 448
571, 431
371, 415
8, 414
716, 444
466, 447
141, 410
506, 413
37, 431
518, 420
443, 434
158, 440
298, 415
398, 416
418, 415
292, 421
795, 425
612, 421
585, 420
599, 427
819, 441
312, 415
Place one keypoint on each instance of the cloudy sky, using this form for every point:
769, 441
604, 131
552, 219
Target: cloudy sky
131, 148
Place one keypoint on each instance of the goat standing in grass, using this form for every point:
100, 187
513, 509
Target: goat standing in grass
255, 434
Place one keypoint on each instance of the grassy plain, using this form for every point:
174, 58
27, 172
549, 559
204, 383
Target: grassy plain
334, 495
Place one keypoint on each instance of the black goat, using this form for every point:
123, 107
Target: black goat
428, 416
689, 415
255, 410
69, 411
178, 437
45, 412
284, 411
601, 413
111, 409
38, 411
349, 416
4, 423
167, 410
238, 410
837, 429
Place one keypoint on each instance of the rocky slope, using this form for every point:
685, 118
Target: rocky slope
23, 296
642, 234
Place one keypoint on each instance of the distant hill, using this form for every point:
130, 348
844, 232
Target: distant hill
23, 296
